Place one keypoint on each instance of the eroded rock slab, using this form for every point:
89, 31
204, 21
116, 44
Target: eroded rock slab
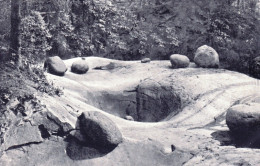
22, 134
198, 131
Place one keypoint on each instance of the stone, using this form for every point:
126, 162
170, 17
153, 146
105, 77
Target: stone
80, 67
55, 65
130, 118
206, 57
244, 118
254, 68
146, 60
179, 61
22, 134
99, 129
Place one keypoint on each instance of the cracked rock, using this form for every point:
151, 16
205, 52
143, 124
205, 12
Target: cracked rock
22, 135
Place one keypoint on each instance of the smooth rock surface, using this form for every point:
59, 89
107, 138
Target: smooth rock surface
79, 66
55, 65
179, 61
207, 57
198, 130
22, 134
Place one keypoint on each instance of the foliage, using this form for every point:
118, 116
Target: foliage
234, 34
134, 29
116, 31
34, 35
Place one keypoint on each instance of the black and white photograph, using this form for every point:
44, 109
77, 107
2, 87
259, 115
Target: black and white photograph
129, 83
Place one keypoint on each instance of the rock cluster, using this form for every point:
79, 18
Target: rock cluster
56, 66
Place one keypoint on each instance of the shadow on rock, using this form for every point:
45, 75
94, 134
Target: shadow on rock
239, 140
78, 150
81, 148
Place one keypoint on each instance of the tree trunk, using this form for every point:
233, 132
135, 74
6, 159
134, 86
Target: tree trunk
15, 39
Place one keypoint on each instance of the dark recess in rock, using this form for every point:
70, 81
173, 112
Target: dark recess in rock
44, 132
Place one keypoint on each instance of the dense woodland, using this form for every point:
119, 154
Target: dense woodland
130, 30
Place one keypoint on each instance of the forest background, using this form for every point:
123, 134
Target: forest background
131, 29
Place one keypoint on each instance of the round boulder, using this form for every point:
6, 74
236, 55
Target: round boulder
255, 67
244, 118
179, 61
207, 57
99, 129
79, 67
145, 60
55, 65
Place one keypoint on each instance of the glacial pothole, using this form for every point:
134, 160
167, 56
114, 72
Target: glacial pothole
148, 102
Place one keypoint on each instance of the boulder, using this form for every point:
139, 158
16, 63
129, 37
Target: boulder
145, 60
99, 129
244, 118
130, 118
255, 67
79, 66
55, 65
207, 57
179, 61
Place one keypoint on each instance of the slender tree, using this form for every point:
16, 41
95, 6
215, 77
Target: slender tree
15, 22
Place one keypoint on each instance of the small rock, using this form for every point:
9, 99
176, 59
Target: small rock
100, 129
55, 65
128, 117
173, 148
207, 57
145, 60
179, 61
79, 66
244, 118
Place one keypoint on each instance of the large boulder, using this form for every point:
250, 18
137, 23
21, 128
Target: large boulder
244, 118
99, 129
207, 57
179, 61
255, 67
55, 65
79, 66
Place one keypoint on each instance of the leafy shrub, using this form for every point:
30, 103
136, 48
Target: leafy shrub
34, 37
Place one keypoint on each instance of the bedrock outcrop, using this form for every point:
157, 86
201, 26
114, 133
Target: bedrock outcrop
188, 105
